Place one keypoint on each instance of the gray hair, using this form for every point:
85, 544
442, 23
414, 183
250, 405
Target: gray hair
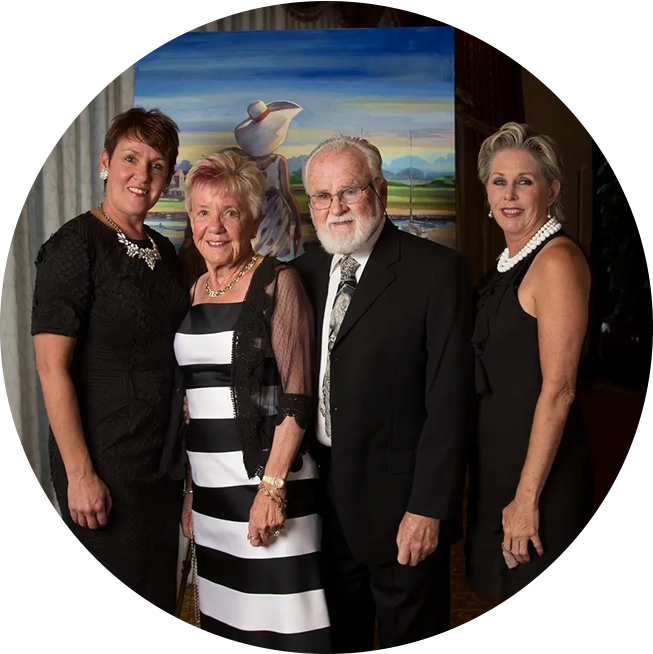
516, 136
340, 142
229, 171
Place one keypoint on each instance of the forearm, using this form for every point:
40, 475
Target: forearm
285, 445
63, 414
549, 421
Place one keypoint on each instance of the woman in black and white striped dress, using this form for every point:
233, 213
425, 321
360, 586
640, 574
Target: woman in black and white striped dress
245, 350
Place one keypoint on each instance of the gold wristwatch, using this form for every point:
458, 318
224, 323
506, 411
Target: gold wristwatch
277, 482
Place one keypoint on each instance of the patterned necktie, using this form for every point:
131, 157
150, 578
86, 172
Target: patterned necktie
346, 288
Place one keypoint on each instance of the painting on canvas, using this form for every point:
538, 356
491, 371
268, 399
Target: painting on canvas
273, 96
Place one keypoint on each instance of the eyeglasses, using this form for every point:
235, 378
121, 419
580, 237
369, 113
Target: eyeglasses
349, 195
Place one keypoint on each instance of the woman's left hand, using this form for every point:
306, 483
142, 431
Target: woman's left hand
266, 519
521, 523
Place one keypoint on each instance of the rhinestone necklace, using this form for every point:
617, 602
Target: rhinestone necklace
211, 293
149, 255
506, 262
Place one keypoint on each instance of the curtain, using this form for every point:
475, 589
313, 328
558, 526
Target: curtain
67, 185
348, 13
299, 16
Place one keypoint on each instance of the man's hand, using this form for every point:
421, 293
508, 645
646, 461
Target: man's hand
417, 538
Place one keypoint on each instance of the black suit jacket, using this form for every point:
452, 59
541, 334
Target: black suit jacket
401, 389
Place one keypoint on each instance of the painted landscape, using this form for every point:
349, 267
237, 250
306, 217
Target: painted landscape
275, 95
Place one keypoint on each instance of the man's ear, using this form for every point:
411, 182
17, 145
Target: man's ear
383, 193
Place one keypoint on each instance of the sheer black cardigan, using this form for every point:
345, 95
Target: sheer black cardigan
271, 369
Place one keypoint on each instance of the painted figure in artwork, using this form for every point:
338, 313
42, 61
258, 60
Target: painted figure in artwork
258, 138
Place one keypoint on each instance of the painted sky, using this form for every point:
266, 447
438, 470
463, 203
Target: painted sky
382, 83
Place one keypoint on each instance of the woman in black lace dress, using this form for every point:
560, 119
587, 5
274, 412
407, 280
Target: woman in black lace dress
107, 303
531, 480
245, 350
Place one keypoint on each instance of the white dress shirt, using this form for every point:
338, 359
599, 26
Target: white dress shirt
362, 256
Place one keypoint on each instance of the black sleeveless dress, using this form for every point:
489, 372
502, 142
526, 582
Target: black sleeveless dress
508, 384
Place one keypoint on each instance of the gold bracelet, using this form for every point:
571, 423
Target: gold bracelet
188, 491
281, 502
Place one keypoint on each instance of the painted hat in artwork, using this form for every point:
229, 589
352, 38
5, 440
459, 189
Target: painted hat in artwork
267, 126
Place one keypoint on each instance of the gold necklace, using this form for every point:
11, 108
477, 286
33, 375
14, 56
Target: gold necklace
211, 293
149, 255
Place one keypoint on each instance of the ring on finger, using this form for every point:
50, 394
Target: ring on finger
276, 532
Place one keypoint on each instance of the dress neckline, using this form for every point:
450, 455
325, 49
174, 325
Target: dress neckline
141, 242
216, 304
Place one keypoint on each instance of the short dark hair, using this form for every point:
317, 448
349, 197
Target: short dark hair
151, 127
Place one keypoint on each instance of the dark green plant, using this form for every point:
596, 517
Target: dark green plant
628, 292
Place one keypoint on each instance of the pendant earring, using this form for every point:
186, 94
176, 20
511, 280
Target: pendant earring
548, 213
104, 174
490, 214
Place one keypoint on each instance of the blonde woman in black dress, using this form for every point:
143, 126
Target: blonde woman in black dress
531, 482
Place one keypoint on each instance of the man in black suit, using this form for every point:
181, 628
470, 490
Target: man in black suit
394, 388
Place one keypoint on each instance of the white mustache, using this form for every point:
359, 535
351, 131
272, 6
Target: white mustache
344, 218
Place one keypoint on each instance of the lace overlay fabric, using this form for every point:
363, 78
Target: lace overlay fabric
272, 350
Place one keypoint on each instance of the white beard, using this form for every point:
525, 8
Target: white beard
363, 230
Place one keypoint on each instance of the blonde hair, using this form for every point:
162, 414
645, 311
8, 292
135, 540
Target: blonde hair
516, 136
340, 142
230, 172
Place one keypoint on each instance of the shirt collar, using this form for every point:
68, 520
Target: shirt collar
363, 253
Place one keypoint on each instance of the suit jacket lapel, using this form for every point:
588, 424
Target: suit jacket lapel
376, 276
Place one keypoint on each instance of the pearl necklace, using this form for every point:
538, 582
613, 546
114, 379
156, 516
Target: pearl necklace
506, 262
149, 255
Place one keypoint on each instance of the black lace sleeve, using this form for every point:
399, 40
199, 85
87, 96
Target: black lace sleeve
63, 285
291, 334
